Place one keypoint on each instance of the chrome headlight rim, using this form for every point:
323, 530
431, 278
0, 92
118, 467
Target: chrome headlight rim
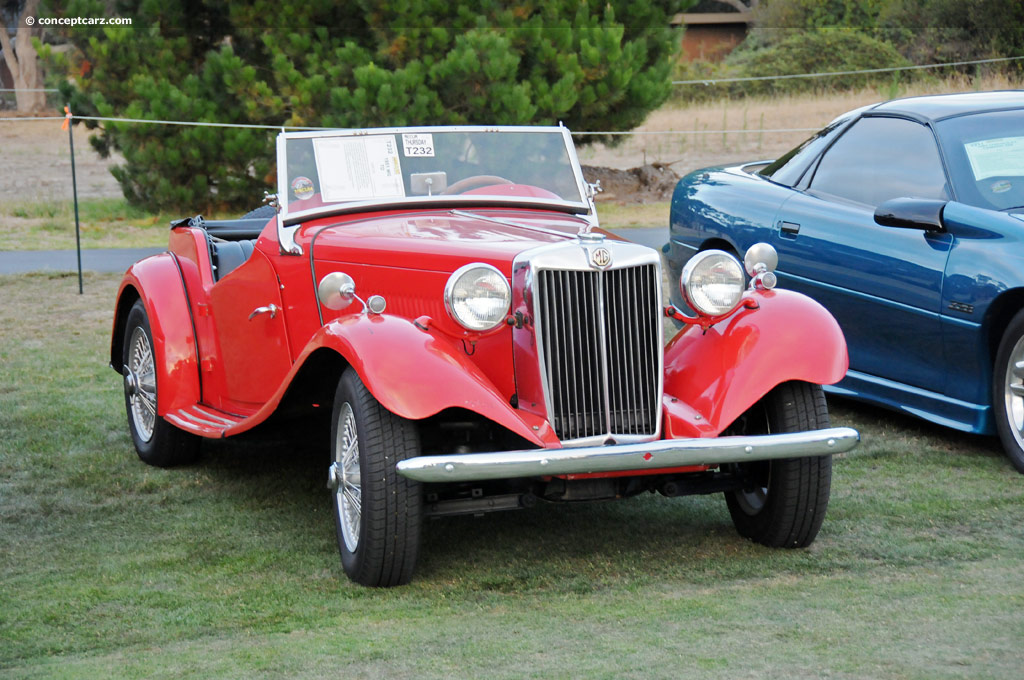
449, 292
704, 259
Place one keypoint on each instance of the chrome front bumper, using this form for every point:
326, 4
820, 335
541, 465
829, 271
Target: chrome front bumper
655, 455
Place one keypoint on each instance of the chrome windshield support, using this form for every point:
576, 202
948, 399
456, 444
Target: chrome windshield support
666, 453
285, 235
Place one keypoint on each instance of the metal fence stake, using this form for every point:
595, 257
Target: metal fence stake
74, 190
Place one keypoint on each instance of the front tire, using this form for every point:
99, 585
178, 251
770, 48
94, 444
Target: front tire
156, 441
1008, 391
783, 502
377, 512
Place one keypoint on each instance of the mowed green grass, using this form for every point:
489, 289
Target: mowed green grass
103, 223
228, 568
112, 223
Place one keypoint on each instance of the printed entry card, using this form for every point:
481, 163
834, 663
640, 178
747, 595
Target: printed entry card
358, 168
996, 157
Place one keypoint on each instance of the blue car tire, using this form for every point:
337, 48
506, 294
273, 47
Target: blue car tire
1008, 391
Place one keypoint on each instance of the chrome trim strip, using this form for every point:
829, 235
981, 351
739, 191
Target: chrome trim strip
511, 223
354, 132
437, 202
601, 319
206, 412
666, 453
200, 417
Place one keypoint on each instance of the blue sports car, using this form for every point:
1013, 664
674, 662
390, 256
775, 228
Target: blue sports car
906, 220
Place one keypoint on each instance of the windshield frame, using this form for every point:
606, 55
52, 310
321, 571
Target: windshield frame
288, 221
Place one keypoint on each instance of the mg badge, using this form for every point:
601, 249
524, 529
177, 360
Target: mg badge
600, 257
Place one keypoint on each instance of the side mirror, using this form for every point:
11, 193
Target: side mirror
911, 213
336, 290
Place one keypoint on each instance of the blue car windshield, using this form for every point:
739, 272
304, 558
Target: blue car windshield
985, 156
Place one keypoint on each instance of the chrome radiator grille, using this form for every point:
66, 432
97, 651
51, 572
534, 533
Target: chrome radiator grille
600, 341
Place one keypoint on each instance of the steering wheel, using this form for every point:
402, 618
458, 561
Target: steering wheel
473, 182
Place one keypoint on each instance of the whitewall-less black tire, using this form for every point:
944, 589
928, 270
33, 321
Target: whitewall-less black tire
784, 501
377, 512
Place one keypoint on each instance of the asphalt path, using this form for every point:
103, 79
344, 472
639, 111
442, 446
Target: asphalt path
117, 260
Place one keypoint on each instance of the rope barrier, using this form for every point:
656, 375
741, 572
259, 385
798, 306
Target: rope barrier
697, 132
706, 81
823, 74
287, 127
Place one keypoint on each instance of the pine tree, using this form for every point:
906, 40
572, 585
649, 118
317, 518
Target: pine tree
590, 64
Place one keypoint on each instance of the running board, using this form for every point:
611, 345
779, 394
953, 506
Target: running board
203, 420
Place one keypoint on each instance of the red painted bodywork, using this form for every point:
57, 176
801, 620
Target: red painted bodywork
719, 374
157, 281
416, 373
222, 373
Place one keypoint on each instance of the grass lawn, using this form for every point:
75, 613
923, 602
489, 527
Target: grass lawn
104, 223
228, 568
112, 223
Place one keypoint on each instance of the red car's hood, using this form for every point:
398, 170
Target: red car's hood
439, 240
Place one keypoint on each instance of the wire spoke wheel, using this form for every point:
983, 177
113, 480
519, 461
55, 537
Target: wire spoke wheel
156, 441
140, 384
348, 493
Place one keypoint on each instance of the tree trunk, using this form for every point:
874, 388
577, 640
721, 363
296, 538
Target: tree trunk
23, 62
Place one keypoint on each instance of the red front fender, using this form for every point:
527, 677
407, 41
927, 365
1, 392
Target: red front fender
157, 281
719, 374
416, 374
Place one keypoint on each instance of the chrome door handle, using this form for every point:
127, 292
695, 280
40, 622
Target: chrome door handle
273, 309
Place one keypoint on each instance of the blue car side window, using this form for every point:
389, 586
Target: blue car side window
789, 168
880, 158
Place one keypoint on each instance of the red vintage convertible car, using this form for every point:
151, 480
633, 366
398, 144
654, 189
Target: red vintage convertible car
446, 294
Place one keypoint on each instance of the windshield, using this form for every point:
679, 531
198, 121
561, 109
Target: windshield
391, 167
985, 155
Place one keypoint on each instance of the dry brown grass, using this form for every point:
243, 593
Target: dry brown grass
697, 147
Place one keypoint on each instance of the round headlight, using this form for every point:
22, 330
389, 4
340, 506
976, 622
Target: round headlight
477, 296
712, 283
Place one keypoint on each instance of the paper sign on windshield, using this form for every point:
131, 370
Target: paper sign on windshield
418, 145
358, 168
996, 157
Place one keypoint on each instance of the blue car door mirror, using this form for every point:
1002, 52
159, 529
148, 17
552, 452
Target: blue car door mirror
911, 213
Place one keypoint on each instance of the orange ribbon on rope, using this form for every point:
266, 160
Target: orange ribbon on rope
67, 118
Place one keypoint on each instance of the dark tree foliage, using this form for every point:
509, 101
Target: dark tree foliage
924, 31
591, 64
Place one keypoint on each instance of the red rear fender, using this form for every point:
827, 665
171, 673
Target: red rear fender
721, 373
157, 282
